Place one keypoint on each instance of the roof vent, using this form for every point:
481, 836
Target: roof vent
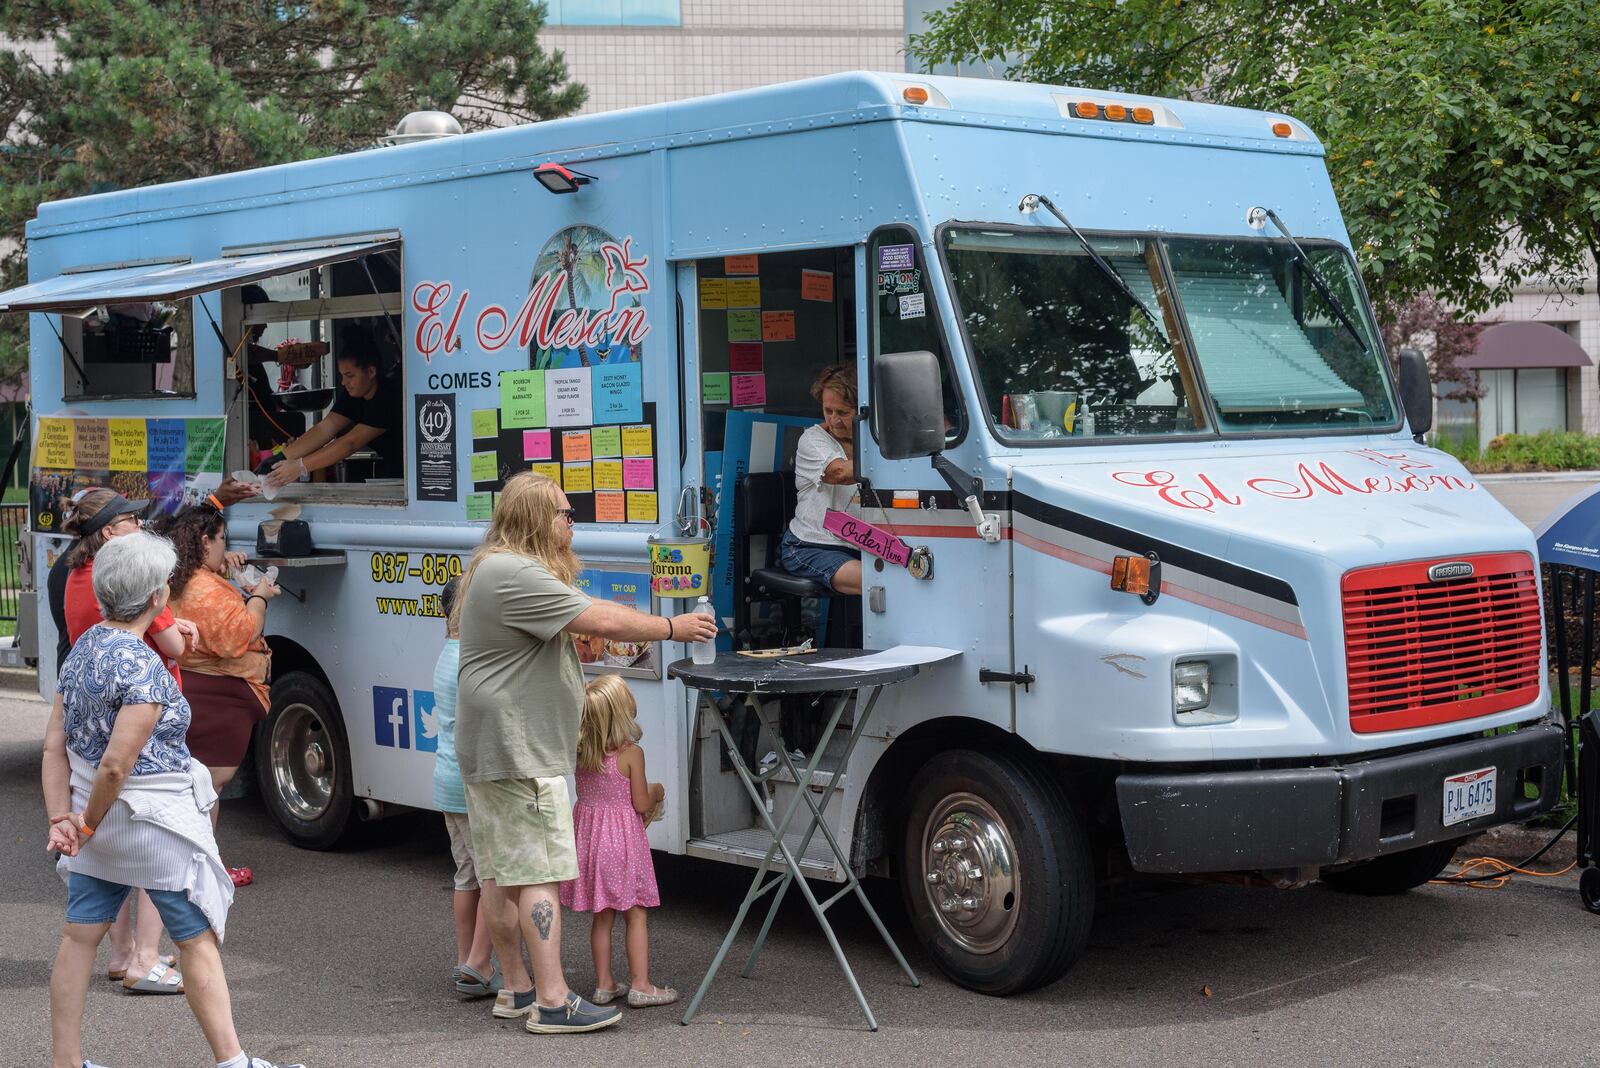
423, 126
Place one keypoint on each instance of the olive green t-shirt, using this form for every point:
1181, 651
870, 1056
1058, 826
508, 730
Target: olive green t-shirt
520, 695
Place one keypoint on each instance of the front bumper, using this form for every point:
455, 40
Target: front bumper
1302, 817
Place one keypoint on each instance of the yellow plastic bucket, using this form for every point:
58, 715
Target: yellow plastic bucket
680, 567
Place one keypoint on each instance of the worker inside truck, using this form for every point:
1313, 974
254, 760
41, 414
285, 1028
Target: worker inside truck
365, 415
824, 481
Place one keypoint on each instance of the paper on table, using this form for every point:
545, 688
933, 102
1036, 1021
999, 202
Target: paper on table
898, 656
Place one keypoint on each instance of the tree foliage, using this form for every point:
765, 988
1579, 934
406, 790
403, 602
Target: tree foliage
1426, 323
145, 91
1463, 136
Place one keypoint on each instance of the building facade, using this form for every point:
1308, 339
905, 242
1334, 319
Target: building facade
1537, 365
632, 52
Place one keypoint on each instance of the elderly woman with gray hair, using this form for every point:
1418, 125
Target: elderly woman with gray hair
127, 806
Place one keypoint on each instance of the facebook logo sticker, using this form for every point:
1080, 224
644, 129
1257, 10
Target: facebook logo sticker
426, 730
391, 718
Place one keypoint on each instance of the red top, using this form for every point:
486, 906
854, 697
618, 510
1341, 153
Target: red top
83, 612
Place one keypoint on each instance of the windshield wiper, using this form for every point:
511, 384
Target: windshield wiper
1030, 204
1314, 274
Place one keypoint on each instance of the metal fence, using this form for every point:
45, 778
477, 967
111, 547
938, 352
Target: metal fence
13, 528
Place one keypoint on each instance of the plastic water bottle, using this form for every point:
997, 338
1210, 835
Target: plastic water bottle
704, 652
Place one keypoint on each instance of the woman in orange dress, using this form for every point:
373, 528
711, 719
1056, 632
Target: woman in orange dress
225, 673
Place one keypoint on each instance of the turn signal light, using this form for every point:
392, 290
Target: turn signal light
914, 94
1131, 574
1138, 575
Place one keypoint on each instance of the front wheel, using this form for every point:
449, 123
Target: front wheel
1395, 873
997, 872
303, 763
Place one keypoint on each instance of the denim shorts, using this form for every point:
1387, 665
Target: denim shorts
819, 563
91, 900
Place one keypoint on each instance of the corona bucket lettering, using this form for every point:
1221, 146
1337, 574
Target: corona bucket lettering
680, 567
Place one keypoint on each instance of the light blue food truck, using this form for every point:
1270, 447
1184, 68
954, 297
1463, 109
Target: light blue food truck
1122, 396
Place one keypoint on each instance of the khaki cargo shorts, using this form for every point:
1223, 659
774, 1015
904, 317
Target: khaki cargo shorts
522, 831
460, 831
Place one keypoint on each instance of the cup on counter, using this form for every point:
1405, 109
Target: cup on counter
1024, 411
1057, 409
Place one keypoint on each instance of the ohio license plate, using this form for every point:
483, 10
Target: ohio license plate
1469, 795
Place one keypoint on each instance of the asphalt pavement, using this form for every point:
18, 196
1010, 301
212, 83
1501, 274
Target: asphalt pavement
342, 959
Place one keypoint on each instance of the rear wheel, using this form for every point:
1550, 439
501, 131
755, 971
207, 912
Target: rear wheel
997, 872
1395, 873
303, 763
1589, 889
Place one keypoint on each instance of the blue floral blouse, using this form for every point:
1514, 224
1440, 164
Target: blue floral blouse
107, 669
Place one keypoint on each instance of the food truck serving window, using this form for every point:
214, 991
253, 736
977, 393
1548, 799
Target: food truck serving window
320, 378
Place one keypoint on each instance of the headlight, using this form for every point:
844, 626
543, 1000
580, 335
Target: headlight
1191, 685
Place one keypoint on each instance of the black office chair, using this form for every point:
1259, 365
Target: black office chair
763, 506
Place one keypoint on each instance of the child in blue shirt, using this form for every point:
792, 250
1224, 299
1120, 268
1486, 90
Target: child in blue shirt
474, 974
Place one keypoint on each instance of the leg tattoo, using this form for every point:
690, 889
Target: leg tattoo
543, 916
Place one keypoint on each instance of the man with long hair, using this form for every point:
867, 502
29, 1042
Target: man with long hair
518, 707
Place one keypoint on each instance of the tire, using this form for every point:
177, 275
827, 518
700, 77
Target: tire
1395, 873
303, 763
1589, 889
1025, 920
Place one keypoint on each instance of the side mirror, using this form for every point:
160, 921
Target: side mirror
1416, 392
907, 407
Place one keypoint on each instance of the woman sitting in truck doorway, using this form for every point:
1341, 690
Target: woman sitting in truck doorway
824, 481
366, 414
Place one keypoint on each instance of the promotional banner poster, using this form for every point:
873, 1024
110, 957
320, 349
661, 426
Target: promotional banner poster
630, 589
436, 446
171, 462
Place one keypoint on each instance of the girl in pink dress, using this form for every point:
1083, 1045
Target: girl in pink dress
615, 873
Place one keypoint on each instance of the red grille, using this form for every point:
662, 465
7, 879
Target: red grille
1421, 652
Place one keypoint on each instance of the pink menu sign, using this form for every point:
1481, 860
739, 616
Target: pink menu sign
866, 537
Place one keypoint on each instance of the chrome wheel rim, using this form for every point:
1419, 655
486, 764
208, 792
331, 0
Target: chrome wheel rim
969, 873
302, 762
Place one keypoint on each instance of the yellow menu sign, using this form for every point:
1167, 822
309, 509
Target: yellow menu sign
53, 448
128, 445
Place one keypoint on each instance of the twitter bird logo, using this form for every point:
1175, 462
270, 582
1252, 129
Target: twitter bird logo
426, 732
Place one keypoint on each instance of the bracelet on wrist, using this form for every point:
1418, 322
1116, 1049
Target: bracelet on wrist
670, 629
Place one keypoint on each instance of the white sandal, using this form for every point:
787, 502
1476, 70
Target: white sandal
662, 995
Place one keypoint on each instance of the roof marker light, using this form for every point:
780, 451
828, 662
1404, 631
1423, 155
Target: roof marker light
558, 179
1282, 129
1086, 110
914, 94
1144, 115
1116, 113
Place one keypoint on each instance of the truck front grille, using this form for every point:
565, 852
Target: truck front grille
1420, 651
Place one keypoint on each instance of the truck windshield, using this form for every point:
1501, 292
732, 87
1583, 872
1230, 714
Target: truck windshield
1061, 351
1062, 354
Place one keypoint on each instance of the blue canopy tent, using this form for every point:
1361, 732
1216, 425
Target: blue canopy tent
1570, 541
